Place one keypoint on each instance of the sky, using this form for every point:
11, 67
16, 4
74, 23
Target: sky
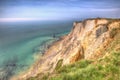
31, 10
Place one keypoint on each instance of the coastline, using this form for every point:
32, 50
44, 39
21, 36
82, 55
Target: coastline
39, 54
72, 47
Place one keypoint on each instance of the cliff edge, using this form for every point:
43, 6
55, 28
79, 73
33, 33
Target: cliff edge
87, 40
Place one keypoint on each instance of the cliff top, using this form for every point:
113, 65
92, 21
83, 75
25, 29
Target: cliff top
88, 40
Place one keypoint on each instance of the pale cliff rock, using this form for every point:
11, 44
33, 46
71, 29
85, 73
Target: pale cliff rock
85, 41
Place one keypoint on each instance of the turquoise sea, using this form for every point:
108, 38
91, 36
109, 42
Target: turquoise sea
21, 41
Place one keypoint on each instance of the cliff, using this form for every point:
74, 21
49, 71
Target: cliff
87, 40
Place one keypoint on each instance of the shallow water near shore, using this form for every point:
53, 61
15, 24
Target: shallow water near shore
20, 42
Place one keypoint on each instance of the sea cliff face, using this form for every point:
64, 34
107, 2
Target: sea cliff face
87, 40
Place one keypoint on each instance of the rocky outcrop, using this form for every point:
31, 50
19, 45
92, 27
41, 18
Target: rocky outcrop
85, 41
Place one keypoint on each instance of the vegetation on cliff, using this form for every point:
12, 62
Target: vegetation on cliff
106, 67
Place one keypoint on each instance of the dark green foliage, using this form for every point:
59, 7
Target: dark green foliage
84, 63
45, 77
107, 68
88, 71
59, 64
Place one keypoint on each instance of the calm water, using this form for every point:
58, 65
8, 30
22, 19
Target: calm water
19, 42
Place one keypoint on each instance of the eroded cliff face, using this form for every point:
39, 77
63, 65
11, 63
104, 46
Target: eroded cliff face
86, 40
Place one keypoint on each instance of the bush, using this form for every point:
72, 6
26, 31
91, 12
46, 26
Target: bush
59, 64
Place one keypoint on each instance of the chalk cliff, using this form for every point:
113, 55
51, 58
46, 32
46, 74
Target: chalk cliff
87, 40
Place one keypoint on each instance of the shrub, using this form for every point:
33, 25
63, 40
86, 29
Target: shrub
59, 64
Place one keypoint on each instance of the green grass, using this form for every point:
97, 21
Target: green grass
107, 68
59, 64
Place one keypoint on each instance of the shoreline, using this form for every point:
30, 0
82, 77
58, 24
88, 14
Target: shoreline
48, 61
38, 55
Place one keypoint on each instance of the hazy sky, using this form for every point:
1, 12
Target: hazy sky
15, 10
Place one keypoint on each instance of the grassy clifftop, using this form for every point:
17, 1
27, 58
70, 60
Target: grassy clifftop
105, 68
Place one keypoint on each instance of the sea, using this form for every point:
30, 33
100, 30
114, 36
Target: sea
21, 42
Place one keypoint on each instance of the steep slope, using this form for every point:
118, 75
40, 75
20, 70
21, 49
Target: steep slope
104, 68
88, 40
